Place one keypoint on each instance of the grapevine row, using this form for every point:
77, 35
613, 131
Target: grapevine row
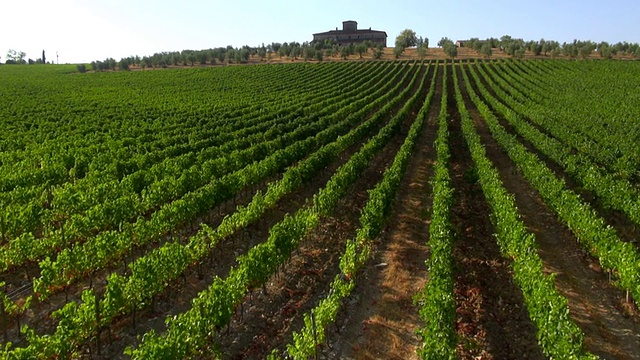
188, 332
600, 240
124, 294
104, 250
437, 301
558, 336
305, 342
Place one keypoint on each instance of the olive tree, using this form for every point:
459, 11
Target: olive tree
397, 51
407, 38
486, 50
449, 47
605, 50
422, 45
451, 50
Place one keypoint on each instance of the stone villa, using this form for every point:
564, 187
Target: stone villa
350, 34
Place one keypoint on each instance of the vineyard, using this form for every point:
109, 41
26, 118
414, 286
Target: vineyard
430, 209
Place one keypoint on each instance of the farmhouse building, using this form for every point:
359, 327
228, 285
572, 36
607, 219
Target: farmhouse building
350, 34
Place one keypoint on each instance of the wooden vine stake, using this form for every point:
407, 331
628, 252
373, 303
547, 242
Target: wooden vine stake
4, 322
99, 328
315, 336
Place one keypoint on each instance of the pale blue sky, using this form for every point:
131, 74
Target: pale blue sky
87, 30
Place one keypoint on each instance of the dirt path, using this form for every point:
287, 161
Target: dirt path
380, 319
610, 325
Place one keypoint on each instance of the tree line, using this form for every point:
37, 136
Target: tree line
517, 47
15, 57
230, 55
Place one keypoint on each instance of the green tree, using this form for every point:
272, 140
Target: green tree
344, 52
124, 64
536, 47
191, 58
605, 50
202, 57
147, 62
175, 59
295, 52
444, 41
335, 49
422, 51
422, 46
15, 57
407, 38
98, 66
486, 50
546, 46
361, 49
111, 63
397, 51
245, 54
586, 49
309, 53
505, 40
570, 49
451, 50
475, 44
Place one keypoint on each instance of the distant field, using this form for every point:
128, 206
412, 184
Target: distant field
361, 209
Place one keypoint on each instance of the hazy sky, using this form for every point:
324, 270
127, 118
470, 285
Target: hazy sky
87, 30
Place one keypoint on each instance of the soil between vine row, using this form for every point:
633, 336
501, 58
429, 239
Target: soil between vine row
611, 326
269, 318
